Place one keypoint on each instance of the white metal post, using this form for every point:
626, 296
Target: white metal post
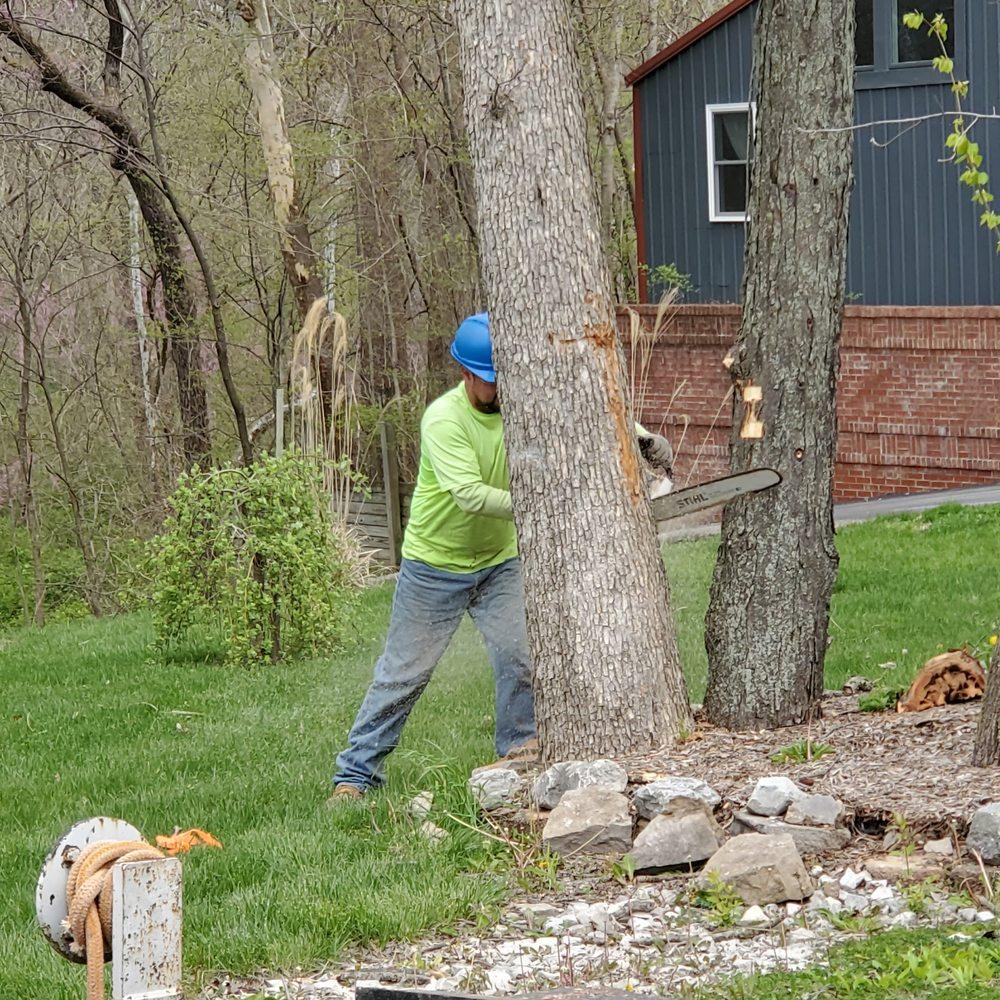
146, 930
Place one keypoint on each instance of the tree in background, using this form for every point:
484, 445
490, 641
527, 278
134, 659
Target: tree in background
607, 673
766, 628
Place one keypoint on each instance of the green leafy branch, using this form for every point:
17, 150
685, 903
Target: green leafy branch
964, 152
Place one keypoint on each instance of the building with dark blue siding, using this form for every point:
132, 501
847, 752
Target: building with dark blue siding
915, 238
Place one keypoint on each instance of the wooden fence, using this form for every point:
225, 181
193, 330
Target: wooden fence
379, 516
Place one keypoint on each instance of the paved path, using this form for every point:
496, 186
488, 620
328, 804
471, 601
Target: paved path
865, 510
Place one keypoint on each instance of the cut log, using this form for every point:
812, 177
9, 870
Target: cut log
950, 677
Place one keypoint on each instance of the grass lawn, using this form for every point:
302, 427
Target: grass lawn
898, 965
90, 726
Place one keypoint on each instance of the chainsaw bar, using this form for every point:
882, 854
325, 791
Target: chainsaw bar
713, 493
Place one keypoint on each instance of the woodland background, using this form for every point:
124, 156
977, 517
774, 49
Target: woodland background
91, 441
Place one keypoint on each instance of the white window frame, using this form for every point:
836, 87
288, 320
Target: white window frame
711, 110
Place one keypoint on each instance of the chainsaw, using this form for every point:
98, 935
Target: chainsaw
668, 504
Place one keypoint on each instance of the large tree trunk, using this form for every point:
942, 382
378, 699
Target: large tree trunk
986, 751
766, 628
607, 672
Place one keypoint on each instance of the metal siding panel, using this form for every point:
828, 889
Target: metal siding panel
915, 237
674, 98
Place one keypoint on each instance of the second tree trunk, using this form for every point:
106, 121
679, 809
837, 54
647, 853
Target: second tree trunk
766, 628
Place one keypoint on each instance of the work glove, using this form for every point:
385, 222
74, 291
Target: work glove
657, 451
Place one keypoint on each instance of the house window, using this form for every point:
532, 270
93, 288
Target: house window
728, 131
864, 38
888, 54
916, 46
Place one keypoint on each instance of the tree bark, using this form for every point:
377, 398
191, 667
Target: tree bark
293, 232
139, 316
607, 673
31, 519
986, 751
293, 226
766, 628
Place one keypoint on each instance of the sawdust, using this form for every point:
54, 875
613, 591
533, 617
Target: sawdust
918, 765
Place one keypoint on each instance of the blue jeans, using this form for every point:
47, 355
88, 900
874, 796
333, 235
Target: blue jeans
427, 608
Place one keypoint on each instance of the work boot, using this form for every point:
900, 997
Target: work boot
344, 793
520, 758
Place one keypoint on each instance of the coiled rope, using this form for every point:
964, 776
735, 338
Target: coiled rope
88, 902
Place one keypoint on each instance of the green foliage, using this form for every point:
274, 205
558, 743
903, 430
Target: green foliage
890, 966
963, 151
667, 276
250, 555
718, 896
63, 580
801, 751
624, 870
852, 923
920, 894
907, 841
882, 698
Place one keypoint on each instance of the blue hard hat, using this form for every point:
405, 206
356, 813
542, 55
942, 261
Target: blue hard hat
472, 347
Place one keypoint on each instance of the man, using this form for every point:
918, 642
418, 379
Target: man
459, 555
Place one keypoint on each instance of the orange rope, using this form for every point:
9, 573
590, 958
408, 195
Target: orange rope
88, 902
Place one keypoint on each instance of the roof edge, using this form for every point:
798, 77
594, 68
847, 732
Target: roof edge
686, 41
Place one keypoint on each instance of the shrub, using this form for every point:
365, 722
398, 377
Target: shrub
63, 580
252, 555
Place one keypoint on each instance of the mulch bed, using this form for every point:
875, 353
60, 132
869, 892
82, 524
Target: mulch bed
916, 764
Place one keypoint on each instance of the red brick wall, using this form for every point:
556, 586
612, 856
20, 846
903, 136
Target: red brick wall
918, 399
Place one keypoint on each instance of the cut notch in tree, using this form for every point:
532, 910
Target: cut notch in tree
944, 679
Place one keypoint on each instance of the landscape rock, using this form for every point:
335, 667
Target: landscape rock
905, 919
882, 894
815, 810
896, 868
552, 784
753, 915
984, 833
818, 902
773, 795
684, 834
642, 902
855, 902
421, 805
493, 788
852, 879
857, 684
942, 847
590, 820
808, 839
967, 915
537, 913
432, 832
761, 869
656, 797
985, 916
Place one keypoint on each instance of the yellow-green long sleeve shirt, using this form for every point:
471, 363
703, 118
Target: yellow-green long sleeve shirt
460, 516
